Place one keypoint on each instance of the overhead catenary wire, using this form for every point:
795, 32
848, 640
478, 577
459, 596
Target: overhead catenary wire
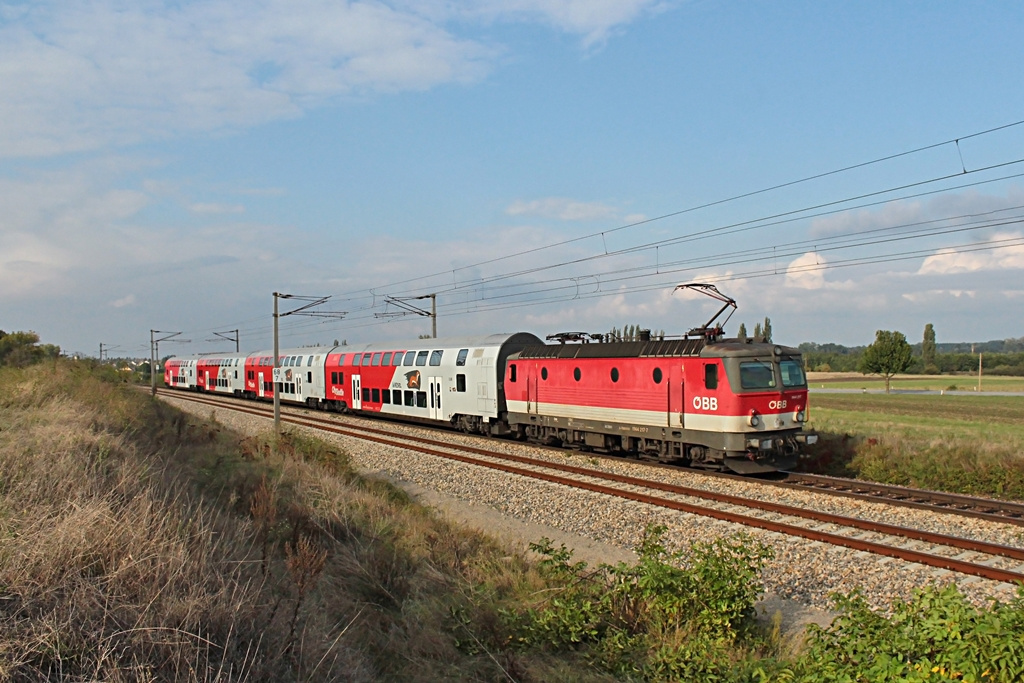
491, 283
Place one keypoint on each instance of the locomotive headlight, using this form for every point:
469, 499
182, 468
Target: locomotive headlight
800, 417
754, 419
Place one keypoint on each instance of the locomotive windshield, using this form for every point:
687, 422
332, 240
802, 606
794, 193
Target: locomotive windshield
792, 373
760, 374
757, 374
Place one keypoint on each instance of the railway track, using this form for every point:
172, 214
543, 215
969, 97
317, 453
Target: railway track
967, 556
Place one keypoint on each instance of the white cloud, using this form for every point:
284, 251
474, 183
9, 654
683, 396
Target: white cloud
937, 296
807, 271
562, 209
123, 301
594, 20
951, 261
80, 75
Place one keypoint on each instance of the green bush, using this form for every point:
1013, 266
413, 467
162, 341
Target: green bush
937, 635
671, 616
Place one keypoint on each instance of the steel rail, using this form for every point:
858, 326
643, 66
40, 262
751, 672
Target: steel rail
1005, 511
907, 554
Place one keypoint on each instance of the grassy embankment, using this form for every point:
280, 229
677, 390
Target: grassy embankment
967, 444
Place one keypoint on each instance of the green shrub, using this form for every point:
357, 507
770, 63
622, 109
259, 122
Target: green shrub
937, 635
671, 616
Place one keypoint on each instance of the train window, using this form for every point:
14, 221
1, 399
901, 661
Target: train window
421, 399
711, 376
792, 373
366, 394
576, 374
309, 362
512, 372
757, 375
421, 358
398, 358
385, 396
410, 356
309, 377
334, 378
461, 358
236, 374
386, 360
341, 378
615, 374
410, 398
460, 383
544, 373
376, 359
355, 358
376, 395
657, 375
398, 397
367, 357
435, 357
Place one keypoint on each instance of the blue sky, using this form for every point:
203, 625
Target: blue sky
169, 164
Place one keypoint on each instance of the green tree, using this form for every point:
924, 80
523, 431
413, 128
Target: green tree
742, 332
889, 355
766, 330
23, 348
928, 350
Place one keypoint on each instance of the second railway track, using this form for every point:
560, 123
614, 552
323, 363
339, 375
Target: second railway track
994, 561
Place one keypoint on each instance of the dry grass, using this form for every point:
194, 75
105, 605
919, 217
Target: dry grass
136, 545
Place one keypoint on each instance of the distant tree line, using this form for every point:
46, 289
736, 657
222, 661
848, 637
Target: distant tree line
999, 357
19, 349
632, 333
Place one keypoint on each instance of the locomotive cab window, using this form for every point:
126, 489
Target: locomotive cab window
710, 376
512, 373
792, 373
757, 374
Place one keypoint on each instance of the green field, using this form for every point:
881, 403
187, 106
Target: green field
836, 380
969, 444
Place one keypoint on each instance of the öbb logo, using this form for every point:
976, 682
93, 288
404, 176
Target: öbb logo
705, 403
777, 405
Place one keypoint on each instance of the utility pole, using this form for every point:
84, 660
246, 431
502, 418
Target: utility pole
108, 350
154, 353
979, 372
410, 309
301, 310
224, 335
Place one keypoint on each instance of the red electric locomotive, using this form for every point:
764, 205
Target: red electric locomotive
737, 404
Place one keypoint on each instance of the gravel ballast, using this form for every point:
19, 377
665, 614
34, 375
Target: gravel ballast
601, 528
